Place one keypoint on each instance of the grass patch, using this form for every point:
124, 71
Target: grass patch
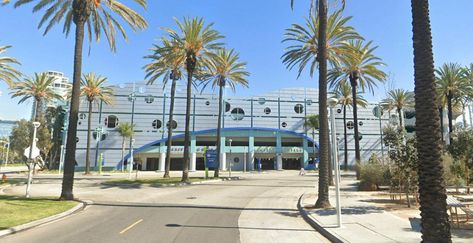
19, 210
13, 165
153, 181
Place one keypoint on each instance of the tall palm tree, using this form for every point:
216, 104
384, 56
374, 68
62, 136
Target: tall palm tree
433, 206
399, 99
100, 18
345, 98
223, 69
8, 74
167, 61
361, 68
452, 85
197, 41
94, 89
39, 88
311, 46
312, 122
126, 130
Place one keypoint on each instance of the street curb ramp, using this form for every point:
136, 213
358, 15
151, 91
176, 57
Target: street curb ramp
315, 224
39, 222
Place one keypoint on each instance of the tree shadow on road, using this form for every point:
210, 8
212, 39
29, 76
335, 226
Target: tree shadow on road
236, 227
350, 210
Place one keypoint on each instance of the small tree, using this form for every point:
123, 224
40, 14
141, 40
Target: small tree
461, 149
125, 130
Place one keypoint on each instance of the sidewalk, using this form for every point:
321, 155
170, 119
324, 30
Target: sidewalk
365, 219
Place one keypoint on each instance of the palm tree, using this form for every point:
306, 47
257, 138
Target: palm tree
361, 68
399, 99
8, 73
95, 89
223, 69
100, 18
452, 85
345, 98
126, 130
319, 41
39, 88
433, 206
312, 122
197, 42
167, 61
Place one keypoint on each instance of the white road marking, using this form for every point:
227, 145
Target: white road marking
131, 226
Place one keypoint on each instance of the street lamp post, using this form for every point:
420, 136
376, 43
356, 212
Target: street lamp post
230, 164
332, 103
130, 164
30, 158
132, 99
99, 133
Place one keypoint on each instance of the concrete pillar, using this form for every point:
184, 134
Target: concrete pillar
278, 152
192, 165
251, 153
162, 161
305, 153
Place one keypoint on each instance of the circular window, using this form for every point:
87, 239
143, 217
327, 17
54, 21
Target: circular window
82, 115
350, 125
267, 110
299, 108
173, 124
339, 110
157, 124
360, 123
284, 124
227, 107
149, 99
360, 136
309, 102
236, 159
111, 121
238, 114
261, 101
207, 102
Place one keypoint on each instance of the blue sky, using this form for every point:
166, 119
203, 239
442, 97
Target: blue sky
254, 28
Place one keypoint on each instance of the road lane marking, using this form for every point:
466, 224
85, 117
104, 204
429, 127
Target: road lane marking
131, 226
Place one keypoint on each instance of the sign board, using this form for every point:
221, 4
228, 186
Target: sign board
34, 154
211, 158
377, 111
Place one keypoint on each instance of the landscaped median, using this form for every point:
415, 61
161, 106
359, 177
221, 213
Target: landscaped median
15, 210
173, 181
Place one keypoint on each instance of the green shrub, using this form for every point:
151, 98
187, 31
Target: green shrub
373, 174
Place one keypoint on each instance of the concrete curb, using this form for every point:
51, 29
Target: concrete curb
177, 184
39, 222
315, 224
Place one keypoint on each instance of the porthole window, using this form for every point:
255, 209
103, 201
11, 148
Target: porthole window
339, 110
309, 102
227, 107
350, 125
207, 102
173, 124
261, 101
299, 108
284, 124
82, 116
149, 99
360, 123
267, 110
238, 114
157, 124
111, 121
236, 160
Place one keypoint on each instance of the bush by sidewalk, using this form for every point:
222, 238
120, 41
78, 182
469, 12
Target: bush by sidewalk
19, 210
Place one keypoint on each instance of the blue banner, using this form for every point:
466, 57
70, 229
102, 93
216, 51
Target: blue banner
211, 159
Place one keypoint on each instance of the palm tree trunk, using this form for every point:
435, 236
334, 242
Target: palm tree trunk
169, 142
399, 113
70, 158
190, 62
219, 127
37, 110
450, 115
123, 153
433, 206
345, 135
464, 113
89, 127
353, 81
323, 197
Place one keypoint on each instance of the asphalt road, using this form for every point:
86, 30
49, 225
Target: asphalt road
258, 208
